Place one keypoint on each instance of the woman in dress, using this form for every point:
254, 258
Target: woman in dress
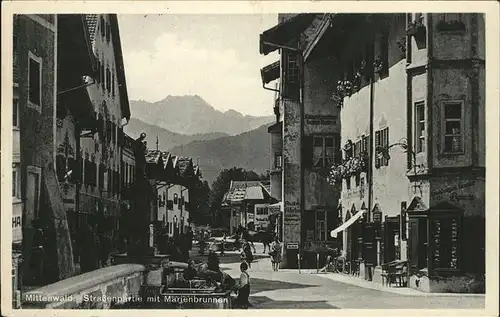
275, 254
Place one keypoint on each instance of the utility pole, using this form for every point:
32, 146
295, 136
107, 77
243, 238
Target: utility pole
157, 143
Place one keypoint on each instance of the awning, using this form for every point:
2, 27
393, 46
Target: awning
347, 224
284, 32
270, 72
276, 208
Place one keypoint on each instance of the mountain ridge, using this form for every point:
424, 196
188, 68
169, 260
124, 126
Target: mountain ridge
191, 115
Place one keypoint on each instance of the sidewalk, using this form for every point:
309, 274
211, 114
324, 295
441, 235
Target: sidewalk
356, 281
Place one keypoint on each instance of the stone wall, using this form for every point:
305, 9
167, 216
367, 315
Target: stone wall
99, 289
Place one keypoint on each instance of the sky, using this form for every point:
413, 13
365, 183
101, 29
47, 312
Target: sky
213, 56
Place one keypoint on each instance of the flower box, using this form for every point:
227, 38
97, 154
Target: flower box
378, 66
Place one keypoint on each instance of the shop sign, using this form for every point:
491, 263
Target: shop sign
292, 245
17, 227
377, 216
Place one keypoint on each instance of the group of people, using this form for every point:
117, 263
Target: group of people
177, 247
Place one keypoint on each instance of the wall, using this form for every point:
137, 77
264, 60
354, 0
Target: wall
108, 153
291, 179
177, 211
276, 176
99, 289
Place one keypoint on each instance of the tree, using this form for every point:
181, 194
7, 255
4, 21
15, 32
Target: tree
220, 187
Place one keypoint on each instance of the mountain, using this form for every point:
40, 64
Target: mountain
167, 139
193, 115
249, 150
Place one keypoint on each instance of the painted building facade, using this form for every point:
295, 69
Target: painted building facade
401, 164
101, 152
175, 179
310, 135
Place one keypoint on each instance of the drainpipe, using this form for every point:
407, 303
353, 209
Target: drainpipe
371, 152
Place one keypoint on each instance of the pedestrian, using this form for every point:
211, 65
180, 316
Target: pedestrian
247, 253
244, 287
275, 254
202, 243
223, 245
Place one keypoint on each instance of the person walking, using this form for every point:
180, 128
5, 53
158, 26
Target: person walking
244, 287
247, 253
223, 245
275, 254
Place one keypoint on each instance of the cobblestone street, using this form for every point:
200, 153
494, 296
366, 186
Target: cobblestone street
286, 290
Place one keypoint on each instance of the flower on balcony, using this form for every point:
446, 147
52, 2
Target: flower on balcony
416, 29
357, 80
378, 65
402, 46
335, 174
344, 87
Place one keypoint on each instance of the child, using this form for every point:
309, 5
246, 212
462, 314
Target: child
244, 287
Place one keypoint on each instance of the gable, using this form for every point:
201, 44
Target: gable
417, 205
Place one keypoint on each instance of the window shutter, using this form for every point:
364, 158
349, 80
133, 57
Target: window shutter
386, 144
61, 167
377, 144
307, 151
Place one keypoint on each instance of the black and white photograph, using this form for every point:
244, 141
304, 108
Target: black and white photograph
251, 159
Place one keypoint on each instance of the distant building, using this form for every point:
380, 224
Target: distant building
175, 180
247, 203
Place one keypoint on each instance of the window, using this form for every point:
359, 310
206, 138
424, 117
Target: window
176, 199
348, 182
101, 176
382, 143
364, 144
15, 113
419, 127
15, 181
357, 148
278, 160
322, 151
35, 82
453, 126
103, 27
113, 84
320, 225
291, 71
101, 73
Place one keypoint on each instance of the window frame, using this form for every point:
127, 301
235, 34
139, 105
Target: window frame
444, 103
278, 160
36, 170
323, 156
39, 60
323, 223
422, 139
15, 112
16, 180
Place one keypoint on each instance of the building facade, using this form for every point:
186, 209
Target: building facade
309, 136
35, 192
412, 99
99, 204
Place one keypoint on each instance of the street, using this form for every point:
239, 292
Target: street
286, 290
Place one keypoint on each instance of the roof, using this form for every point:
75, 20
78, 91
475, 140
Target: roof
92, 26
153, 156
246, 190
166, 158
184, 163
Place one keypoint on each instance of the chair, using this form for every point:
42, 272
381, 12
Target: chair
388, 274
401, 275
